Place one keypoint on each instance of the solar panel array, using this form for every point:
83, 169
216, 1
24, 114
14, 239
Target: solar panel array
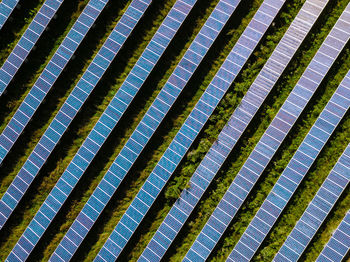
6, 8
105, 125
148, 125
314, 215
70, 108
339, 244
195, 122
50, 74
56, 129
228, 137
295, 171
27, 42
133, 13
323, 202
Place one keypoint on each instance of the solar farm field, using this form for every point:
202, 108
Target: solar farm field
174, 130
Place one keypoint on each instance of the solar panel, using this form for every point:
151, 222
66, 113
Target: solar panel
195, 122
50, 74
339, 244
6, 8
27, 42
219, 151
325, 199
295, 171
146, 128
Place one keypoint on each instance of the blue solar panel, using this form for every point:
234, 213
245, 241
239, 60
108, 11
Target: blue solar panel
50, 74
228, 137
192, 126
148, 125
339, 244
27, 42
6, 8
298, 166
326, 197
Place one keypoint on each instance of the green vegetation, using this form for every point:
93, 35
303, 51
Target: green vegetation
105, 91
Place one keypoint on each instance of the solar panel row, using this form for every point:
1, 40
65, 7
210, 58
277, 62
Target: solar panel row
6, 8
56, 129
339, 244
195, 122
298, 166
109, 119
322, 203
212, 162
50, 74
27, 42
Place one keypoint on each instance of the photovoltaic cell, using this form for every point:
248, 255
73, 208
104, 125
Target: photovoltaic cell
53, 69
228, 206
27, 41
296, 169
326, 197
192, 126
6, 8
339, 244
56, 129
